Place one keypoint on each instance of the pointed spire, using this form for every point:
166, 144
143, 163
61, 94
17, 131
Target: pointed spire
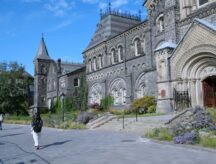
42, 52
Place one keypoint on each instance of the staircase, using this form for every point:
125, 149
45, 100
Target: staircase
100, 121
141, 126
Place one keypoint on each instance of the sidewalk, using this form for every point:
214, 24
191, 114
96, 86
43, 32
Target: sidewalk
143, 124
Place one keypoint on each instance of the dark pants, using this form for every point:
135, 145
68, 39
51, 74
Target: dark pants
0, 125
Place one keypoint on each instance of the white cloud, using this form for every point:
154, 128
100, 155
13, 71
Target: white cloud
61, 25
103, 5
59, 7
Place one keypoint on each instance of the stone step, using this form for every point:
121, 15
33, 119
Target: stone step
92, 122
101, 122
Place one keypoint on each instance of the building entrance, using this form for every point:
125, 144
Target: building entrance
209, 90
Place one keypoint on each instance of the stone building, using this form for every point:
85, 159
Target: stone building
171, 55
53, 79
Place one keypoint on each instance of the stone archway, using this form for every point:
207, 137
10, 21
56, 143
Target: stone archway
118, 91
95, 94
209, 91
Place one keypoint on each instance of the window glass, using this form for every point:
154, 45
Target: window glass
137, 43
202, 2
120, 53
76, 82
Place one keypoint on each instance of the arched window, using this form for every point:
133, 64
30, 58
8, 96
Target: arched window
115, 96
137, 45
90, 65
100, 61
54, 84
120, 54
122, 96
202, 2
160, 23
94, 63
114, 57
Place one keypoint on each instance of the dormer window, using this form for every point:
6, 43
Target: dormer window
137, 46
160, 23
120, 53
202, 2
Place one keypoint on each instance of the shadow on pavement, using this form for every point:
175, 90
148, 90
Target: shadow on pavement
12, 128
55, 144
10, 135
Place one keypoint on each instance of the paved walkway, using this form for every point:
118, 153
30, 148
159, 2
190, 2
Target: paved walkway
92, 147
140, 127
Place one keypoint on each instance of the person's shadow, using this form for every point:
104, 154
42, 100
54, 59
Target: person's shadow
54, 144
10, 135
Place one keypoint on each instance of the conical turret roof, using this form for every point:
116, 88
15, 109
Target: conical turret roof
42, 52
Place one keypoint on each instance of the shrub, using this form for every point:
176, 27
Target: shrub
187, 138
151, 109
120, 112
96, 106
208, 142
141, 105
71, 125
44, 110
107, 102
160, 134
212, 112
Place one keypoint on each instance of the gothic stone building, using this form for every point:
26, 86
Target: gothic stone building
171, 55
54, 79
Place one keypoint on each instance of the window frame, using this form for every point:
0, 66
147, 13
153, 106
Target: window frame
78, 82
160, 23
137, 47
120, 53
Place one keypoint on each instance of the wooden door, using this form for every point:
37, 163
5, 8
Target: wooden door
209, 88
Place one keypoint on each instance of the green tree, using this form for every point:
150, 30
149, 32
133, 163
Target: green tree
13, 88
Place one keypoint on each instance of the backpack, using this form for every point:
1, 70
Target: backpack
38, 126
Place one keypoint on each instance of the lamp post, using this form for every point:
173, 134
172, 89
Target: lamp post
62, 98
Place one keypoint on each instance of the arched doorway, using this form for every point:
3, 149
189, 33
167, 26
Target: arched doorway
209, 91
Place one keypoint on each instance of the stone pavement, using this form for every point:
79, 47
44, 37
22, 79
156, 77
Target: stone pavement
92, 147
140, 127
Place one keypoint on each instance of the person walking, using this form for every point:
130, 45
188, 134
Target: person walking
1, 120
37, 125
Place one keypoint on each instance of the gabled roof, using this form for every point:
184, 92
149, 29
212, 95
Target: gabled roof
42, 52
206, 23
200, 22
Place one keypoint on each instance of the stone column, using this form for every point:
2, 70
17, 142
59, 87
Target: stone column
164, 99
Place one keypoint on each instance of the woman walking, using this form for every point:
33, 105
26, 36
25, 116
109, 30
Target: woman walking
37, 124
1, 120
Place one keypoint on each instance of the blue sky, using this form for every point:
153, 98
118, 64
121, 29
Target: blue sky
68, 26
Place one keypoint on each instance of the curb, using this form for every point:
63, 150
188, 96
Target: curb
195, 147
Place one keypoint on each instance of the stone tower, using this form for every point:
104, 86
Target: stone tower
41, 63
163, 16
